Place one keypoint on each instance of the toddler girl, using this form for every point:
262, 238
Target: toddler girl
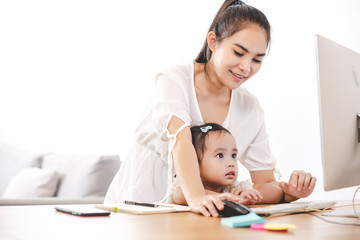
217, 155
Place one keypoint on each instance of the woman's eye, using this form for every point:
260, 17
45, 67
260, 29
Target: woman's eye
256, 61
234, 155
238, 54
220, 155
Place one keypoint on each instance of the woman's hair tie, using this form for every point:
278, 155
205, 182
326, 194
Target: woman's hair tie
237, 2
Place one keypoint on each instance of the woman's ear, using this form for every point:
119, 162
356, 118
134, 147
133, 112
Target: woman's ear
211, 40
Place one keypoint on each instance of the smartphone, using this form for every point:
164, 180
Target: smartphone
80, 210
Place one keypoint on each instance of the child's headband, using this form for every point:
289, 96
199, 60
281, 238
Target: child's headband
205, 129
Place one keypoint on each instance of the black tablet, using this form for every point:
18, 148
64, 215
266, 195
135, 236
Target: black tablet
82, 210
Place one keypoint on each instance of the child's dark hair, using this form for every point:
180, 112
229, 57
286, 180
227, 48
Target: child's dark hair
199, 133
233, 16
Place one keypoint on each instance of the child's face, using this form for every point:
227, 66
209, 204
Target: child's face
218, 167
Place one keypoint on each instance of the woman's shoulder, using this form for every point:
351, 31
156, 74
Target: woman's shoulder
180, 71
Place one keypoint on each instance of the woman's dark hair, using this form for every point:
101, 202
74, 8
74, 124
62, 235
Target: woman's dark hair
233, 16
199, 133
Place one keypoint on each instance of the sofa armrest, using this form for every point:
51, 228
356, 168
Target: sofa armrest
49, 201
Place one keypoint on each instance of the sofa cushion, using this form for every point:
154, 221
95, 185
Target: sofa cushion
32, 182
82, 175
12, 160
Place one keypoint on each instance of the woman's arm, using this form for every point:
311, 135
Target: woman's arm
177, 196
185, 161
265, 183
300, 185
246, 197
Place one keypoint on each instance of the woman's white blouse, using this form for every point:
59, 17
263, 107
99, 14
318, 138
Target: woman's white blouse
147, 171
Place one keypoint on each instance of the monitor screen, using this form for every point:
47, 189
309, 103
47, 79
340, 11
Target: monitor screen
339, 101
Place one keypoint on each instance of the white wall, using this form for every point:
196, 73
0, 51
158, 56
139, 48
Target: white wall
75, 74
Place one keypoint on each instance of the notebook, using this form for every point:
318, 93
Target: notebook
293, 207
143, 208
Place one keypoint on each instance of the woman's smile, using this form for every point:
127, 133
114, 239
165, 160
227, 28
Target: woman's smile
238, 77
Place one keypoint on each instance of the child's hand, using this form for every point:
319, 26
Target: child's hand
237, 191
247, 197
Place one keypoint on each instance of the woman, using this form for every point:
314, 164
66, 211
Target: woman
208, 90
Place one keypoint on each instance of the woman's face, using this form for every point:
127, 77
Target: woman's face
218, 166
237, 58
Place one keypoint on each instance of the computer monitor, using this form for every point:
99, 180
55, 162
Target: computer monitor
339, 99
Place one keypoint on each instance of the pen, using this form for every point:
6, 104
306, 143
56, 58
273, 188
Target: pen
140, 204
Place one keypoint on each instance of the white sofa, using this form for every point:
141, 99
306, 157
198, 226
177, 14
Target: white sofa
28, 177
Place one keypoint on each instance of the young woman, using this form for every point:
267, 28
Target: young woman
216, 151
207, 90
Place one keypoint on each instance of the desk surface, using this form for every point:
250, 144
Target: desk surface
43, 222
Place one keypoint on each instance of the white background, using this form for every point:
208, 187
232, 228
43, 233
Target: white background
75, 75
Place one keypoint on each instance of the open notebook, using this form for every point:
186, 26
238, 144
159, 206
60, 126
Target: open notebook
293, 207
143, 208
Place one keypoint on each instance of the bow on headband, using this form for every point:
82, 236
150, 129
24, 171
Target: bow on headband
205, 129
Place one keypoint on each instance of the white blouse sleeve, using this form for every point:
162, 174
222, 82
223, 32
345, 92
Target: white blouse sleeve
258, 155
171, 99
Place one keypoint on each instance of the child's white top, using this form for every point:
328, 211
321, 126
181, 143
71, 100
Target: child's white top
147, 172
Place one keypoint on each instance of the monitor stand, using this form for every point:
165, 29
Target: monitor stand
358, 126
342, 212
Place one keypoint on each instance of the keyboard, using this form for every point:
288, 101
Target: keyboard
293, 207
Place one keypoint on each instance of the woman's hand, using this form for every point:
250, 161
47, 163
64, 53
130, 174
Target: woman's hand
206, 204
301, 184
